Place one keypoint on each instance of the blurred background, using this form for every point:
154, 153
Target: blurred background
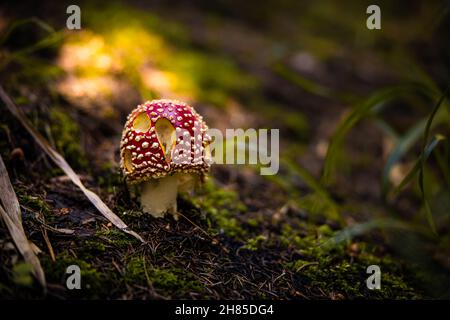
365, 162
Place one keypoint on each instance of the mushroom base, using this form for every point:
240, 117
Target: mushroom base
159, 196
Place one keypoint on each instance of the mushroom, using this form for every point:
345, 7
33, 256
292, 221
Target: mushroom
163, 151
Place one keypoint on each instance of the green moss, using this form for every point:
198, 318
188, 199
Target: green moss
337, 271
221, 208
167, 281
289, 237
297, 264
255, 243
345, 275
64, 133
92, 249
36, 204
117, 238
164, 279
33, 202
22, 274
253, 222
94, 284
324, 230
135, 270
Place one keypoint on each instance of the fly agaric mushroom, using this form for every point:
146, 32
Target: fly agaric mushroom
163, 150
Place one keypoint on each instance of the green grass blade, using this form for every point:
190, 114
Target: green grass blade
19, 23
387, 129
416, 168
364, 228
402, 146
309, 85
48, 41
432, 117
365, 109
429, 214
361, 111
314, 185
443, 160
53, 38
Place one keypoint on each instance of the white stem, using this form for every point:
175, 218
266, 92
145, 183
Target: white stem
159, 196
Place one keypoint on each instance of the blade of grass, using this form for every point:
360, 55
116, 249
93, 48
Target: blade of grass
294, 169
432, 117
309, 85
386, 128
51, 39
362, 110
18, 23
314, 185
402, 146
443, 160
415, 169
428, 212
363, 228
62, 163
11, 214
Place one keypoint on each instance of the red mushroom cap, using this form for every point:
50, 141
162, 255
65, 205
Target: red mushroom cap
145, 153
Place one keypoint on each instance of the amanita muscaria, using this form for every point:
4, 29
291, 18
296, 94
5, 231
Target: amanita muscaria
164, 149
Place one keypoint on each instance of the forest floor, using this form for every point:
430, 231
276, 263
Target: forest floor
242, 235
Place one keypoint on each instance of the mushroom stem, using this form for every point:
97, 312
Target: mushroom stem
159, 196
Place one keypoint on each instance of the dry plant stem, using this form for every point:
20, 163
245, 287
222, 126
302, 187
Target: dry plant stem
11, 214
62, 163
